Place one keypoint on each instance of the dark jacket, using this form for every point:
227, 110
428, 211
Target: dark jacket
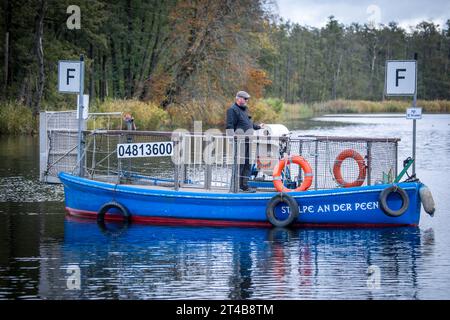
238, 118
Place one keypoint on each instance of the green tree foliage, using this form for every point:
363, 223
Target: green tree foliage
348, 62
176, 52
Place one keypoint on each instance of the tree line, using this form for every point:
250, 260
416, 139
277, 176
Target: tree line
348, 62
173, 52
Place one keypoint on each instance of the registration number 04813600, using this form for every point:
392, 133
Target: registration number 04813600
151, 149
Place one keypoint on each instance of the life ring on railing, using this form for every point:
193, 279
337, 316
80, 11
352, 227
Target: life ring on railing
384, 205
277, 181
292, 212
101, 218
349, 153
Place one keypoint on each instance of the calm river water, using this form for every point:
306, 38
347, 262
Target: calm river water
42, 251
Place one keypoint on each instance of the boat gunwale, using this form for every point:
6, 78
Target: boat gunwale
194, 134
208, 195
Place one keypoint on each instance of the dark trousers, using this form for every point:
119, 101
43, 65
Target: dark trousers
245, 168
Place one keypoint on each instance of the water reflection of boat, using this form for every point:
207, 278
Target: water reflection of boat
241, 263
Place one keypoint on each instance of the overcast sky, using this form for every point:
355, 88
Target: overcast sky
406, 13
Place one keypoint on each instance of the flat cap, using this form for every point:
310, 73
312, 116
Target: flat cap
242, 94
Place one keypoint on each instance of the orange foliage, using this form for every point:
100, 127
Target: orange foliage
157, 86
257, 80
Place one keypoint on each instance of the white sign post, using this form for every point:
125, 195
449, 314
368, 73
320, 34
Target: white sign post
71, 80
401, 80
85, 106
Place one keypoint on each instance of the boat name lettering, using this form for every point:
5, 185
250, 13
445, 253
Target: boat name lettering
136, 150
342, 207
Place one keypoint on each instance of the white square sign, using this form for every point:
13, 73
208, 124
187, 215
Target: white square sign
69, 76
414, 113
401, 77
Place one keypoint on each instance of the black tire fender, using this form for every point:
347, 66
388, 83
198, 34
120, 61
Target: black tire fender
293, 210
384, 205
104, 209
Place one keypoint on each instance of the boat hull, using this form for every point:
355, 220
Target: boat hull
338, 207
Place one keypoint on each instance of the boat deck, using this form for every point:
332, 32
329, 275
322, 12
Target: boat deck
195, 189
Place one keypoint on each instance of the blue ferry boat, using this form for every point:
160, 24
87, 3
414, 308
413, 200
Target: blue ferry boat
298, 181
359, 206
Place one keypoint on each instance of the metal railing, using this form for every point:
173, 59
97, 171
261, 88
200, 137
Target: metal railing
213, 162
208, 161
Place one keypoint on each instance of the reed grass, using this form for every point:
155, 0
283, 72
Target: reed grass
387, 106
147, 116
297, 111
303, 111
18, 119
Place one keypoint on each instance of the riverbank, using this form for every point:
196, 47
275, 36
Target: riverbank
18, 119
305, 111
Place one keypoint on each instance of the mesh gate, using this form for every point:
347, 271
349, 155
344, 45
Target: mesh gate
58, 141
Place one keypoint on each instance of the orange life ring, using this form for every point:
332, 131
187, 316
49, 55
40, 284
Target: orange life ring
278, 183
349, 153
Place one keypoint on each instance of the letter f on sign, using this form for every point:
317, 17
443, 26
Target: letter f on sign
397, 76
69, 76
